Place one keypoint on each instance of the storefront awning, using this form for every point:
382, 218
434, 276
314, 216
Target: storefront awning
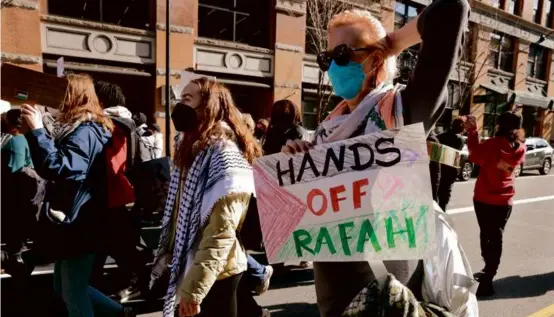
501, 94
533, 100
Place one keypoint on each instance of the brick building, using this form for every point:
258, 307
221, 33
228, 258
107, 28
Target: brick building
258, 48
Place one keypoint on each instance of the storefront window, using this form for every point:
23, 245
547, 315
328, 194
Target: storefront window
537, 61
309, 110
241, 21
529, 115
492, 111
128, 13
502, 51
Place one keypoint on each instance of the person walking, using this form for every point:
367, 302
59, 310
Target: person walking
497, 158
360, 64
283, 126
260, 130
448, 174
73, 164
210, 191
15, 148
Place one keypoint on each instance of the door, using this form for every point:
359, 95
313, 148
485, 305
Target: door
531, 156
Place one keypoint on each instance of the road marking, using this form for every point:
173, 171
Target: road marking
545, 312
524, 177
516, 202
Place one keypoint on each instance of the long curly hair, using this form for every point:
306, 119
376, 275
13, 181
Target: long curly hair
81, 103
216, 111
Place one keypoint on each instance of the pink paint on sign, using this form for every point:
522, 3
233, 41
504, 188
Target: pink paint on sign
272, 201
396, 184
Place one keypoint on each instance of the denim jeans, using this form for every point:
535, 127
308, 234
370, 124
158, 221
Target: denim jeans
254, 269
71, 279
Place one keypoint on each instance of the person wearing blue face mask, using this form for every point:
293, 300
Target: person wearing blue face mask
361, 65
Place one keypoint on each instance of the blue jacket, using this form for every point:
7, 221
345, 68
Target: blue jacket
75, 170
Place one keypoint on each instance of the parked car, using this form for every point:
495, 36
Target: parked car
539, 156
466, 167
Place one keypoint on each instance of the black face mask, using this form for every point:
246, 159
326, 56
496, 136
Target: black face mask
184, 118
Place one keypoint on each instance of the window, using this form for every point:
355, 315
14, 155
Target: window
529, 115
513, 6
309, 110
241, 21
537, 61
404, 13
502, 52
537, 11
128, 13
541, 144
549, 5
496, 4
492, 111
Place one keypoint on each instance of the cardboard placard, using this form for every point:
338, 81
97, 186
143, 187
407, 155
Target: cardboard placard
361, 199
21, 85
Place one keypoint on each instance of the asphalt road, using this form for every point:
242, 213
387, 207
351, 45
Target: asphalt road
525, 281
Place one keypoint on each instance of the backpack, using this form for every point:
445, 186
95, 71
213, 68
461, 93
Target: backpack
128, 129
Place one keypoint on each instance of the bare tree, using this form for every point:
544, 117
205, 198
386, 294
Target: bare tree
319, 13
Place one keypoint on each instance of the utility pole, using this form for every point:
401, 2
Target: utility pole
167, 87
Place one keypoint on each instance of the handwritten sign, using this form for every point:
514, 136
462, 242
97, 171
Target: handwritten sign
366, 198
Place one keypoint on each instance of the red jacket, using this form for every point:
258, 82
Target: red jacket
120, 190
497, 160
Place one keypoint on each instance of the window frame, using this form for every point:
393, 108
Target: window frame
537, 10
538, 57
503, 56
405, 15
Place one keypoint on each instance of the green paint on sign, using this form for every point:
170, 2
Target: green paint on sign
302, 239
409, 231
324, 238
344, 237
367, 233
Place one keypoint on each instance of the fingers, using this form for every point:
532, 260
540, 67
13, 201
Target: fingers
296, 146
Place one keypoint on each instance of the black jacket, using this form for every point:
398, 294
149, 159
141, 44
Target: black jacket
277, 136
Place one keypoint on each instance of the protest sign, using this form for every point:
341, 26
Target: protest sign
361, 199
21, 85
60, 67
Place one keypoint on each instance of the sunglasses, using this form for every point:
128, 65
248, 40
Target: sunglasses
341, 54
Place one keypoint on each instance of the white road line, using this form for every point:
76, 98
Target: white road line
525, 177
516, 202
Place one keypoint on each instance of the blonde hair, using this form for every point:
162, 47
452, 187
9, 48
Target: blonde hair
81, 103
372, 35
249, 121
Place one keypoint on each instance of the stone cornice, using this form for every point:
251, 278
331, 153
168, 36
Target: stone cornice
95, 25
292, 7
288, 86
21, 58
505, 22
226, 44
289, 48
28, 5
172, 72
175, 28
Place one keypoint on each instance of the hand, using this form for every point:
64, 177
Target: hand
188, 308
32, 116
470, 123
296, 146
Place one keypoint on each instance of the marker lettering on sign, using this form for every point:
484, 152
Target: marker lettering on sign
335, 195
364, 158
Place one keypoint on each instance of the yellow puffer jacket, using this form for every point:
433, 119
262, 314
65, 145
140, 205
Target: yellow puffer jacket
219, 254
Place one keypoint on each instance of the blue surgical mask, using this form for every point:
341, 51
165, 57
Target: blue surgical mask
346, 80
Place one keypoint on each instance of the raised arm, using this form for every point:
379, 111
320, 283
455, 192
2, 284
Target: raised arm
440, 29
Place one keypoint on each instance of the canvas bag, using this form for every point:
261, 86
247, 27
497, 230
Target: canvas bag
447, 279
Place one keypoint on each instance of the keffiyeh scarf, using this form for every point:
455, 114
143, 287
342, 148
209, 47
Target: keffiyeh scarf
381, 109
216, 172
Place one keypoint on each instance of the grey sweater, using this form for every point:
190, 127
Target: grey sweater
441, 27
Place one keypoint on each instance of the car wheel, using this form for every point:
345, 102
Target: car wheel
517, 171
465, 173
546, 165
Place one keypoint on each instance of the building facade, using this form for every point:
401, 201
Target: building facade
261, 50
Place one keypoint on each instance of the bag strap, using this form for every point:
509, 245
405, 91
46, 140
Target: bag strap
379, 271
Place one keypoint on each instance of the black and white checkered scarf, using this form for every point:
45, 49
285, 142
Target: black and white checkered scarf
216, 172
